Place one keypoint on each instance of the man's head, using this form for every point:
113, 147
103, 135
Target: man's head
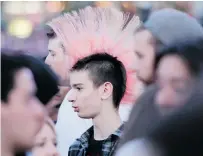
45, 79
177, 70
57, 58
145, 55
98, 81
47, 84
22, 114
163, 28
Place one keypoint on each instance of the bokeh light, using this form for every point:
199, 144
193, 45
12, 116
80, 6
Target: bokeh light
20, 28
22, 7
54, 6
33, 7
13, 8
103, 4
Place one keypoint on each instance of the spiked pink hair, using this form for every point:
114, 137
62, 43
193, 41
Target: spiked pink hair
98, 30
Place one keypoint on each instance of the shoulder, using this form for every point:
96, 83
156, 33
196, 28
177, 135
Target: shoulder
83, 140
75, 148
76, 145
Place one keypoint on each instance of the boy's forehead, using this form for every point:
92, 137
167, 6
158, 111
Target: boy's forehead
54, 43
79, 77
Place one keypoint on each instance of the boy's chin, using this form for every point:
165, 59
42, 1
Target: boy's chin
84, 116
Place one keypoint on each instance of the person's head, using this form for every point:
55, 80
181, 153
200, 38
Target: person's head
163, 27
45, 79
54, 104
46, 82
176, 73
22, 114
97, 82
113, 35
46, 140
145, 48
57, 58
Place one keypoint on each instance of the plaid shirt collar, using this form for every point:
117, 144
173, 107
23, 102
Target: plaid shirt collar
80, 146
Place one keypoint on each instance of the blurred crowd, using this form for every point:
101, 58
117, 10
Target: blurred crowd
23, 23
102, 79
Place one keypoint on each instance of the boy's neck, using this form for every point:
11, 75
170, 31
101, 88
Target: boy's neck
106, 123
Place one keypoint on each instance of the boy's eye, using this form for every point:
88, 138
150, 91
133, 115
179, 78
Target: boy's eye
53, 55
78, 88
41, 144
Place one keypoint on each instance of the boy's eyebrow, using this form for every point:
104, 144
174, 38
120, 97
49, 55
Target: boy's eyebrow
77, 84
50, 50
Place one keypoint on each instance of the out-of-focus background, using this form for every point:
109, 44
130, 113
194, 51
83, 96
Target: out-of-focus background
23, 23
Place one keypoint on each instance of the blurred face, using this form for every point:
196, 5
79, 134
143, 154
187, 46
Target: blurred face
23, 114
45, 142
87, 99
174, 81
145, 54
55, 103
57, 59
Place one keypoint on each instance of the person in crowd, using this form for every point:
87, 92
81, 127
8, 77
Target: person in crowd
55, 103
22, 114
178, 68
156, 34
181, 133
99, 34
45, 79
98, 83
46, 140
150, 40
58, 60
47, 84
177, 134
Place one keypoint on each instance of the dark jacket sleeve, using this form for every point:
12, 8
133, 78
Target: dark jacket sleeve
143, 114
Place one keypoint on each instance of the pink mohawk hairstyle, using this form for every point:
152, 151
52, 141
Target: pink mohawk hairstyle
99, 30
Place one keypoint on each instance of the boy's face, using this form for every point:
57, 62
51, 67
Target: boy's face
86, 98
22, 114
57, 59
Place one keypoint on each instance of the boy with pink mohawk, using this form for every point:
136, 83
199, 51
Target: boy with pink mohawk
86, 32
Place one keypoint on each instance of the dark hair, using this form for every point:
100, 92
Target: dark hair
105, 68
20, 153
190, 51
9, 67
46, 81
50, 32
